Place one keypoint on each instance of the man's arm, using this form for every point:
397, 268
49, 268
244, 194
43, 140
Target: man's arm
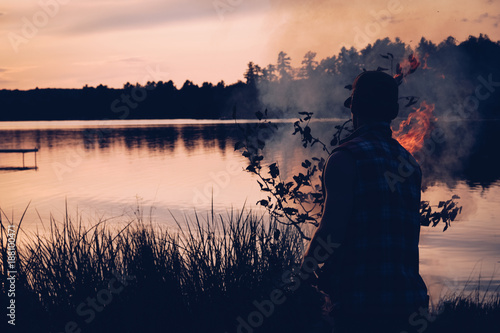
339, 180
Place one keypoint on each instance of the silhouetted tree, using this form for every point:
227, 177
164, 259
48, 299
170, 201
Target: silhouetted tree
283, 66
252, 73
309, 65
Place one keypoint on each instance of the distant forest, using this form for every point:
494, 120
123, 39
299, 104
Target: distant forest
460, 78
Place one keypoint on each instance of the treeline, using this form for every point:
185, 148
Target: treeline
462, 79
155, 100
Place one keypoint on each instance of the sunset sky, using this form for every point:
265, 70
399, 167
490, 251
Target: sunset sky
71, 43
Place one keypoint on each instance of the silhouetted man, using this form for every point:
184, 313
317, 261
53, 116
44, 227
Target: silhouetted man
372, 187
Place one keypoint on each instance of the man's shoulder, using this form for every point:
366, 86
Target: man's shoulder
356, 148
340, 157
340, 164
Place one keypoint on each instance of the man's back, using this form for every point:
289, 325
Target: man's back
377, 267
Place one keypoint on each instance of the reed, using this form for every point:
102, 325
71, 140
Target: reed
465, 311
201, 275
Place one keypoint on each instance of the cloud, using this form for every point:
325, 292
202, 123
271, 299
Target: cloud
3, 77
496, 20
130, 60
144, 14
481, 18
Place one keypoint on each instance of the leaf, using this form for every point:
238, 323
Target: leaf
381, 69
455, 197
307, 132
384, 56
264, 203
348, 87
239, 145
424, 221
259, 115
274, 171
290, 211
390, 55
321, 164
441, 204
334, 141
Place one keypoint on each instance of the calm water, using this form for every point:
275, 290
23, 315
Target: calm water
105, 169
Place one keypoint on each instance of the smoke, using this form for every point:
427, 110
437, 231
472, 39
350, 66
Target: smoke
453, 77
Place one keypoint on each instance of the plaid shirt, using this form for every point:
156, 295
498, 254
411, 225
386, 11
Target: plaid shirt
376, 270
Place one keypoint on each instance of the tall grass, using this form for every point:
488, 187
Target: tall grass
201, 276
468, 311
198, 277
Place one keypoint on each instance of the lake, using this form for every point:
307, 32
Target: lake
171, 168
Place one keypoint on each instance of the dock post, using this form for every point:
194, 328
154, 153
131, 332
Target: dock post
23, 160
35, 159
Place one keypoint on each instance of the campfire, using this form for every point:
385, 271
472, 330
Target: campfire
413, 131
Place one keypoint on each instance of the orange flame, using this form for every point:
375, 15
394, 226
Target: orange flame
406, 67
413, 131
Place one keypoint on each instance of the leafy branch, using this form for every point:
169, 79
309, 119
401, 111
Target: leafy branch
301, 201
449, 211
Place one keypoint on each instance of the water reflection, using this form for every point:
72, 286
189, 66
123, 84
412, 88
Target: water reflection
162, 139
447, 163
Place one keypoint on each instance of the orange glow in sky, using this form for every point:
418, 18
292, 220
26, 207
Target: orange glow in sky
70, 43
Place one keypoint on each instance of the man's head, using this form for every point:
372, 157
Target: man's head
374, 98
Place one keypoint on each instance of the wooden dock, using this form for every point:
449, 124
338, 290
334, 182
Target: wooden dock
21, 151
